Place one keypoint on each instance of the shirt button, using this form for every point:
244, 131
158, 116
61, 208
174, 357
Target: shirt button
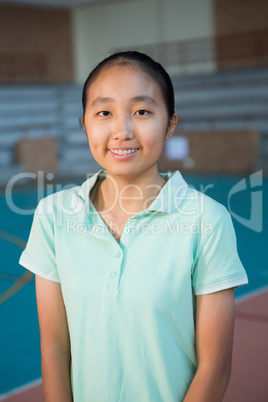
118, 254
114, 273
126, 230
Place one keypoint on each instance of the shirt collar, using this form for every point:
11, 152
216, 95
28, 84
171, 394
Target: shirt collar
169, 198
172, 193
88, 185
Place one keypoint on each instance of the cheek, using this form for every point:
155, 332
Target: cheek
154, 134
94, 145
96, 136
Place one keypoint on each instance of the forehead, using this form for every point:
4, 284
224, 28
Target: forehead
123, 79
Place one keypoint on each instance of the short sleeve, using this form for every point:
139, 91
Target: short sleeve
217, 266
39, 254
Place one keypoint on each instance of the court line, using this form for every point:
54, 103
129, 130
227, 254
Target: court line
7, 277
18, 285
251, 317
23, 279
250, 295
21, 389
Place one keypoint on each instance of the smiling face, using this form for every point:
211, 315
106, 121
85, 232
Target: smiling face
126, 121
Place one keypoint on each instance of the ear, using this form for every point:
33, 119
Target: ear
83, 124
172, 125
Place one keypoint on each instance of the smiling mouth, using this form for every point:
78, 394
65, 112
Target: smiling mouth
124, 151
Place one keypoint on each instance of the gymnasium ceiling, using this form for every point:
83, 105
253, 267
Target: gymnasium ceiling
53, 3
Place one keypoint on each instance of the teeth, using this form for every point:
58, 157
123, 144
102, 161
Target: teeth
125, 152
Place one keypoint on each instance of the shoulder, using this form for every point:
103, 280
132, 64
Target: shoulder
188, 203
201, 206
72, 200
60, 201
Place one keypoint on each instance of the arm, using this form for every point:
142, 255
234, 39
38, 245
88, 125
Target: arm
214, 341
55, 343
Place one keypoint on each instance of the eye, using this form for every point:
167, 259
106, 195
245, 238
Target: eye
142, 112
104, 113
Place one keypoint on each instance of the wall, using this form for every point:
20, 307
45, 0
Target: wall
187, 19
240, 15
98, 29
245, 26
213, 152
35, 44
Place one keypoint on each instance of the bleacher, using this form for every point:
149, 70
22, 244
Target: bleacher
30, 112
226, 100
229, 100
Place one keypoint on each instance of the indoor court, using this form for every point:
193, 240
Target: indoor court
216, 53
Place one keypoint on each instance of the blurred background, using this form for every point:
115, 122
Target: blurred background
216, 52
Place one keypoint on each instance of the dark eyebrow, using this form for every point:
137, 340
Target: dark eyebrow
136, 99
142, 98
101, 100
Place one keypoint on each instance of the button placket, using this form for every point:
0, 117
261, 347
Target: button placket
127, 230
127, 233
114, 275
114, 279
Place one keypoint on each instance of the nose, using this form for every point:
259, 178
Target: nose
123, 128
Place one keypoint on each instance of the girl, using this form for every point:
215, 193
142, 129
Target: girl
134, 269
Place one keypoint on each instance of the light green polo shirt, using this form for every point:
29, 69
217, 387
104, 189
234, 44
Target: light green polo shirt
131, 306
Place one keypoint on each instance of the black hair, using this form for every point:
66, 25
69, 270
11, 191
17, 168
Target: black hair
147, 64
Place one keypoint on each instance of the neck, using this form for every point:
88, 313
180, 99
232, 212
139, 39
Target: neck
123, 196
